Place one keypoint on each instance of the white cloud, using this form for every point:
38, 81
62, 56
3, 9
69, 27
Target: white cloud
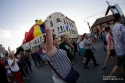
5, 34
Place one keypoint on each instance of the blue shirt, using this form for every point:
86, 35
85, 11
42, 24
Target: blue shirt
118, 32
103, 36
37, 53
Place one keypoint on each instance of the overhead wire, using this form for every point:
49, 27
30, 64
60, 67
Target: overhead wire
95, 14
88, 10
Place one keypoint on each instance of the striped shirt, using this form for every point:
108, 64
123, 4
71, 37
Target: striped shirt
60, 62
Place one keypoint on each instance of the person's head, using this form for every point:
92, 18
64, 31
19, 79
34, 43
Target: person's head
25, 52
20, 52
81, 39
55, 41
118, 18
11, 55
107, 29
6, 57
85, 35
64, 39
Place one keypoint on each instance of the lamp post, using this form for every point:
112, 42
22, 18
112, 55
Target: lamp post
88, 25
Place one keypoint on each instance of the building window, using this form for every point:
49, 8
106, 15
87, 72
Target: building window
64, 21
60, 29
58, 20
53, 30
63, 29
51, 23
50, 17
67, 22
69, 30
71, 25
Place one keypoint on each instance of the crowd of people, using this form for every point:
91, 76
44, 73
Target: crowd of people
18, 66
61, 57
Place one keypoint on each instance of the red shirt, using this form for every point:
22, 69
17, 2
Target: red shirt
2, 62
41, 50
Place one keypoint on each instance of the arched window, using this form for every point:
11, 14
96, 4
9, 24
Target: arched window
58, 20
53, 30
64, 21
51, 23
69, 30
63, 29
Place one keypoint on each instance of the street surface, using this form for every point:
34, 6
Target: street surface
91, 75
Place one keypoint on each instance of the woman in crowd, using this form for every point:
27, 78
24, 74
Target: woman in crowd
110, 47
3, 76
81, 50
9, 73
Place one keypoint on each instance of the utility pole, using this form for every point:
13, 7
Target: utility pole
89, 26
116, 10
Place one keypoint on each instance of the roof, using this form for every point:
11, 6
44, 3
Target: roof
103, 20
69, 19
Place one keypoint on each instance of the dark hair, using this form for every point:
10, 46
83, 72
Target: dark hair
107, 28
117, 16
84, 34
53, 38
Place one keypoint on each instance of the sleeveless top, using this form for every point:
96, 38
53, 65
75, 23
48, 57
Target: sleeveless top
60, 62
111, 42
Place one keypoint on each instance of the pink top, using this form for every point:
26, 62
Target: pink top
111, 43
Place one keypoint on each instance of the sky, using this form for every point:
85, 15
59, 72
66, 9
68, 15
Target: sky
17, 16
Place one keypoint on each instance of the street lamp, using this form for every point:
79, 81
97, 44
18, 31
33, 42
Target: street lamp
88, 26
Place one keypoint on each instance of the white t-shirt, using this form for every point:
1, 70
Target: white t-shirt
14, 68
8, 71
44, 51
81, 45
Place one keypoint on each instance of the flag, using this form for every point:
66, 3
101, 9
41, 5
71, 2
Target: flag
36, 30
67, 30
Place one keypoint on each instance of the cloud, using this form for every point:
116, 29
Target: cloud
5, 34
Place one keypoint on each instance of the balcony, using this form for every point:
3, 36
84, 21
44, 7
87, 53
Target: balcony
62, 34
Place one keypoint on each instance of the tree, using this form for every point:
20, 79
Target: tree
19, 49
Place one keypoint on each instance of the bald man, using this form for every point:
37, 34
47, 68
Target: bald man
12, 61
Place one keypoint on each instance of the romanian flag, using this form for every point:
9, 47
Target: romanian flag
24, 40
35, 31
67, 30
